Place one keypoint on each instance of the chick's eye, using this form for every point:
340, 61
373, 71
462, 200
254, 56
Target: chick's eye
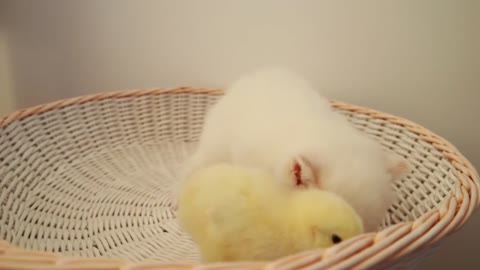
336, 239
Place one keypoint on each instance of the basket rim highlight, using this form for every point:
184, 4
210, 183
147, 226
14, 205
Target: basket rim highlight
360, 252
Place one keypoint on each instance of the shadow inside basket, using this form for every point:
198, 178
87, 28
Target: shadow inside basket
95, 179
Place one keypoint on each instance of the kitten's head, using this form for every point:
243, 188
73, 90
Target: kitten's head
307, 170
362, 175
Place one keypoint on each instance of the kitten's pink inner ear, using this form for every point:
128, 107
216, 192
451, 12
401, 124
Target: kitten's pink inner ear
297, 173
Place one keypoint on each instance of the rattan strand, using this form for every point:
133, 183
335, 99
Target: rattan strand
86, 181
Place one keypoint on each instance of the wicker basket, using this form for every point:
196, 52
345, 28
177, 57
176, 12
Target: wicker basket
86, 184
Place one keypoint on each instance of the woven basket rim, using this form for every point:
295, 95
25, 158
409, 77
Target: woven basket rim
360, 252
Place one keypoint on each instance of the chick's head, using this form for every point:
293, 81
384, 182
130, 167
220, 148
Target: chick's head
320, 219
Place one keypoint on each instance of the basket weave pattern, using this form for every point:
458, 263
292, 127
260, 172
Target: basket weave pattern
88, 180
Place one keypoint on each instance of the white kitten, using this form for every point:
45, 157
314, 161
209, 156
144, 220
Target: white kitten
274, 119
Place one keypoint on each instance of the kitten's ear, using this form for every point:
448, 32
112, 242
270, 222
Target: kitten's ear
302, 172
397, 166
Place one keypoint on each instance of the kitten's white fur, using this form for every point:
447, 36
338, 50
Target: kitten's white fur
273, 119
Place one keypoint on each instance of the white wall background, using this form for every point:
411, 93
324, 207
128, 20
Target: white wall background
414, 58
7, 102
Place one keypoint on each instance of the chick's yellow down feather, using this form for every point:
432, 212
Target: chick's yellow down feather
236, 213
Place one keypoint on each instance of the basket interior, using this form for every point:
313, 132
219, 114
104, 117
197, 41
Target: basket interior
95, 179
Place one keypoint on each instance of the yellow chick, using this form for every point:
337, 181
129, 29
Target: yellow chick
241, 214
